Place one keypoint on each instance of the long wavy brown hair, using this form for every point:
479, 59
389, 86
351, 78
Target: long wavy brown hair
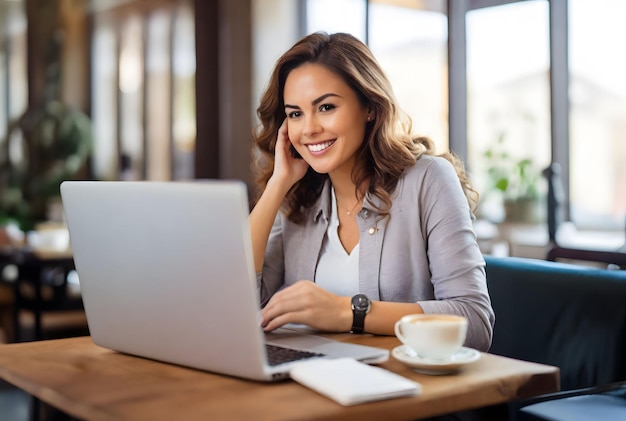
389, 146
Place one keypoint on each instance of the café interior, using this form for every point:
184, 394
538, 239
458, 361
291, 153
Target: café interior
529, 94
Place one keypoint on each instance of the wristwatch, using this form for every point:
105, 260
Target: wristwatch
360, 307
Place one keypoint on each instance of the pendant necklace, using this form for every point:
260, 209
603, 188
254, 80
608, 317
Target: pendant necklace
349, 212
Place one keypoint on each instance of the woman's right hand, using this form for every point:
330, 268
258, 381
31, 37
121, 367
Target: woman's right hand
287, 168
287, 171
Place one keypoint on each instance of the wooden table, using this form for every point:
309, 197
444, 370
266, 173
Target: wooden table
93, 383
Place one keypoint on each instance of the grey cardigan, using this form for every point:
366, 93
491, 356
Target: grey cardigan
423, 251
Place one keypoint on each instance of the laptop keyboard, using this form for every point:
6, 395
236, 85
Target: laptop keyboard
278, 354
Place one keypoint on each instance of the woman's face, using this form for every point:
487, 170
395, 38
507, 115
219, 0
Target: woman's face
325, 120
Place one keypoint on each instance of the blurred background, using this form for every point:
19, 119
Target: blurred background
523, 91
170, 87
167, 90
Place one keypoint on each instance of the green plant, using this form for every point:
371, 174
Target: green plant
49, 143
44, 147
515, 178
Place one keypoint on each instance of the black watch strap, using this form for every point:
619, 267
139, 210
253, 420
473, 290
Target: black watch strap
358, 321
360, 307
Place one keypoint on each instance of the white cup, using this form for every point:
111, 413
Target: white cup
53, 239
432, 336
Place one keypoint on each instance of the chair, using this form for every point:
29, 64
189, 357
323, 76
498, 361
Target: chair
40, 286
565, 315
556, 251
609, 257
606, 402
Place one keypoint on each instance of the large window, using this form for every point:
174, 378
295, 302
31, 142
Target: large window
509, 122
158, 75
411, 45
597, 113
337, 16
131, 88
13, 61
144, 92
509, 105
183, 129
103, 107
13, 97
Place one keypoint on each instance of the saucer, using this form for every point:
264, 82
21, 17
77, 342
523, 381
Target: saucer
462, 357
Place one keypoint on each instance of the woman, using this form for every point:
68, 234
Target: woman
358, 222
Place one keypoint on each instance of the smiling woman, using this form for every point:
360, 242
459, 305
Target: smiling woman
358, 227
335, 119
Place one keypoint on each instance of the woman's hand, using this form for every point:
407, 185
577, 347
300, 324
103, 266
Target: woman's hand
287, 168
287, 171
306, 303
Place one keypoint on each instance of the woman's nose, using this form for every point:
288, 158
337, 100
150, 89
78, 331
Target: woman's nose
312, 126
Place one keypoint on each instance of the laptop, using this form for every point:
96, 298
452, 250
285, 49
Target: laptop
166, 272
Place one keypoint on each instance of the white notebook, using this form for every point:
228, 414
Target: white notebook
350, 382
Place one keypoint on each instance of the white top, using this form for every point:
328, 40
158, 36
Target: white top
337, 270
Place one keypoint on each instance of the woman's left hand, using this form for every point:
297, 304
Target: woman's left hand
306, 303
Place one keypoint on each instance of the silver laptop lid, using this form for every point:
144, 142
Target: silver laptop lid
166, 271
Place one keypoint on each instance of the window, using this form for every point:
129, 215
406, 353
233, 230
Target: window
131, 80
104, 104
4, 115
13, 62
158, 75
13, 79
508, 98
508, 82
597, 113
183, 87
337, 16
507, 71
144, 91
411, 46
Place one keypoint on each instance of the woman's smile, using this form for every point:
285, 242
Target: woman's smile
316, 148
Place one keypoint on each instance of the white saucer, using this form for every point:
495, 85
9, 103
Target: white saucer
462, 357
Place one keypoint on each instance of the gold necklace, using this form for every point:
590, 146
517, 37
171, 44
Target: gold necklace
349, 212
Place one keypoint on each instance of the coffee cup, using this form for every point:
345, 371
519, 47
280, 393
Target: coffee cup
432, 336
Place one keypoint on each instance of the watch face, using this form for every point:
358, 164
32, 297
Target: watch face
360, 302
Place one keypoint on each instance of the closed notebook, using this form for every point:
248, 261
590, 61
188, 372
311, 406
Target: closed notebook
351, 382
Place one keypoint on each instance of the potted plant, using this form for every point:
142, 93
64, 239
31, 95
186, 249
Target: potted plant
517, 182
49, 143
55, 143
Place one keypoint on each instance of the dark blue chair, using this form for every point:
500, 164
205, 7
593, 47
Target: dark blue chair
606, 402
569, 316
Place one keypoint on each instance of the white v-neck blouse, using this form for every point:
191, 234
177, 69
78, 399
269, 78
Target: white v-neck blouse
337, 270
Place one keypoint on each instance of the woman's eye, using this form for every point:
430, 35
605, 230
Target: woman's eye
294, 114
326, 107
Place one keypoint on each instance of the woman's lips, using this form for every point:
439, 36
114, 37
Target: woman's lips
319, 147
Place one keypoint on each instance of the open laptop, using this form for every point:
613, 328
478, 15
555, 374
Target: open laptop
166, 272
